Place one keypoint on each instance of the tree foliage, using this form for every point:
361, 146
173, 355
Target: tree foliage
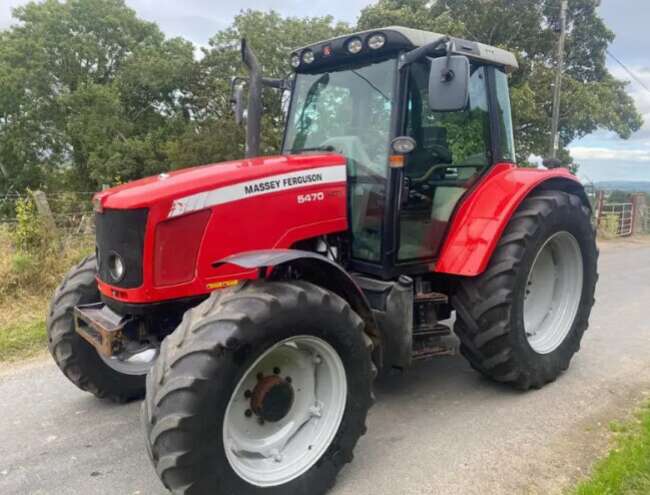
90, 94
591, 98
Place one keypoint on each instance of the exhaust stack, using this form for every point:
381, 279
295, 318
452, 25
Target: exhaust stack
254, 119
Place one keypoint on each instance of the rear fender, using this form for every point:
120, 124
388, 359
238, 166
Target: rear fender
483, 215
314, 268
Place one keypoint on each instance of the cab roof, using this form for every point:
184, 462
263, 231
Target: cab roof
399, 38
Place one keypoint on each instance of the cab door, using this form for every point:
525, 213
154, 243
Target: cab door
453, 151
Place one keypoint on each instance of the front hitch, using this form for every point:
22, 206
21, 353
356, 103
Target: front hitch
102, 327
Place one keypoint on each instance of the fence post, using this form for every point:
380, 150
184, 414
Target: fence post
44, 211
600, 201
638, 205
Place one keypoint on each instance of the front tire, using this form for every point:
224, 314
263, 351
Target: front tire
76, 358
234, 376
522, 320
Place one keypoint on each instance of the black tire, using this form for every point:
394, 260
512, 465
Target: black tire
489, 308
200, 364
76, 358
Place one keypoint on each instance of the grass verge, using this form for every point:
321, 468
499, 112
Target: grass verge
22, 341
27, 281
626, 469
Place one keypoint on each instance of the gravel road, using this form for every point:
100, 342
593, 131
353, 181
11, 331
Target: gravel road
438, 428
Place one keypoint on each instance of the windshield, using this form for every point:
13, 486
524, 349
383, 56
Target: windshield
349, 111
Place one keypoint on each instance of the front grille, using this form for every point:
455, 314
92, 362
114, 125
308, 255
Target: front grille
121, 232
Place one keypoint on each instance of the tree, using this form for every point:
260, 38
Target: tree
592, 98
273, 38
90, 94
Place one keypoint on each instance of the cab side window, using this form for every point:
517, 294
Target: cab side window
453, 149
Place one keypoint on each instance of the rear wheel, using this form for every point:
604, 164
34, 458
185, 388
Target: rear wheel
522, 320
119, 379
264, 388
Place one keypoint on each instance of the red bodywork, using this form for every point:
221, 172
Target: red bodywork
271, 213
483, 215
208, 213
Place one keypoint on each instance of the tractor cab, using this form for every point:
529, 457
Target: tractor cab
420, 118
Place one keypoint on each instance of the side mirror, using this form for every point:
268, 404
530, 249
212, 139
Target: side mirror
237, 100
285, 103
449, 83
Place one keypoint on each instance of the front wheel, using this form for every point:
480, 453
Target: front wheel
264, 388
522, 320
116, 379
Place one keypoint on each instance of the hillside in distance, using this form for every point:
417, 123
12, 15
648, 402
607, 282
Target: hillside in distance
624, 185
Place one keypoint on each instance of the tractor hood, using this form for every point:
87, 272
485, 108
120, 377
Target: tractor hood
192, 182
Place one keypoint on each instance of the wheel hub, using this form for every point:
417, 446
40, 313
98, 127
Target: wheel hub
285, 411
272, 398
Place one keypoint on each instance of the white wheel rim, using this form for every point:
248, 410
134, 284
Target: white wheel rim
553, 293
277, 452
136, 363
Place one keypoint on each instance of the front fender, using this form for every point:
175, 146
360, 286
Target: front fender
313, 268
484, 213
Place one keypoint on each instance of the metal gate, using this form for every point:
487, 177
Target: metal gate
618, 218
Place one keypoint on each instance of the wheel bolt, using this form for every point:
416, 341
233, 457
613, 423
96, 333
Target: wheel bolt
288, 379
276, 371
260, 376
248, 413
317, 359
248, 394
277, 457
261, 421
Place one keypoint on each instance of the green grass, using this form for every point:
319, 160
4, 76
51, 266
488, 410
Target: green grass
626, 469
22, 340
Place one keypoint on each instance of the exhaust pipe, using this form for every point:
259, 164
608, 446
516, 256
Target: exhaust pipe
254, 119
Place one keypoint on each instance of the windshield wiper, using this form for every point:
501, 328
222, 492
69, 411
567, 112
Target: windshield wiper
371, 84
315, 148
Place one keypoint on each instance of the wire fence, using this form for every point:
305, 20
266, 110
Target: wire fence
71, 211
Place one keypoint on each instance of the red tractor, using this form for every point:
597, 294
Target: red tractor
252, 303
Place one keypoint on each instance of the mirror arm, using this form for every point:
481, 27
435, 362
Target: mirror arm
274, 83
421, 52
234, 82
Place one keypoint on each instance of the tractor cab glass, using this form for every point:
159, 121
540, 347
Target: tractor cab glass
453, 150
349, 110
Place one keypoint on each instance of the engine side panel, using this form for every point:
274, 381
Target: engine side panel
269, 207
483, 215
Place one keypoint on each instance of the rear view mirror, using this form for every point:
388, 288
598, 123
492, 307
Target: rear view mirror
449, 84
237, 100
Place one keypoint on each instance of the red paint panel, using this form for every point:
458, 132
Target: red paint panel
275, 219
482, 217
176, 248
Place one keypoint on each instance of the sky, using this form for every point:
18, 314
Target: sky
602, 155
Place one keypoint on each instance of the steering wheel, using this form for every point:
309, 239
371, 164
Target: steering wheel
425, 178
371, 138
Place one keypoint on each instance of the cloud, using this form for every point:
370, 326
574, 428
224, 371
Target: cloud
625, 155
6, 6
629, 21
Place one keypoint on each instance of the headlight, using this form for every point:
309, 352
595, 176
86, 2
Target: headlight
116, 267
355, 45
376, 41
308, 56
295, 60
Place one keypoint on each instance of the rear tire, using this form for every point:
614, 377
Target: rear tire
202, 365
491, 308
76, 358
